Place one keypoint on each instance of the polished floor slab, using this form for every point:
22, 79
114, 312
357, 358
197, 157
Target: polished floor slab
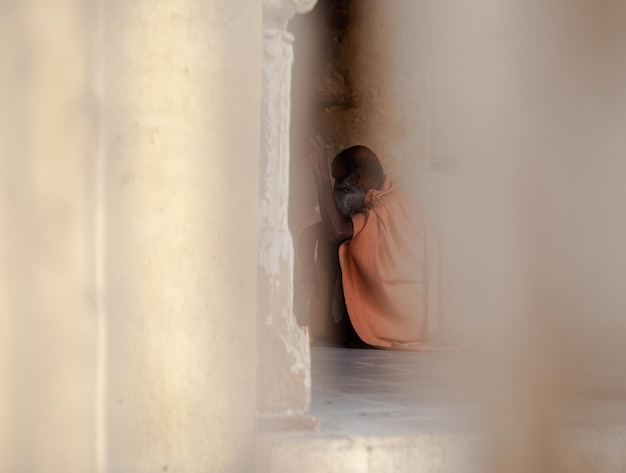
383, 411
382, 392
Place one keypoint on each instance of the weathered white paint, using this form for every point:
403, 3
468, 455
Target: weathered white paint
284, 361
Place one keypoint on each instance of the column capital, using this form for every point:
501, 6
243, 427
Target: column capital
277, 13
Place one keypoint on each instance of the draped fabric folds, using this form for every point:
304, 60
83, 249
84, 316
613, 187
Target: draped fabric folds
390, 271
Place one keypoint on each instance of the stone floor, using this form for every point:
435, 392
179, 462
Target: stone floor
383, 392
382, 411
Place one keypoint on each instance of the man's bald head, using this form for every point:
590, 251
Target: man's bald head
361, 164
356, 170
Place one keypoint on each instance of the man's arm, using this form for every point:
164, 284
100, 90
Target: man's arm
338, 228
308, 284
306, 249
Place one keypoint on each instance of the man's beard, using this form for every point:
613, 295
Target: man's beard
350, 202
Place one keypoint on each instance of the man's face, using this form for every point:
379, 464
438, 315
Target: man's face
350, 198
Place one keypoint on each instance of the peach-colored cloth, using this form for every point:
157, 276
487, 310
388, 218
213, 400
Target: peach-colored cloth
390, 271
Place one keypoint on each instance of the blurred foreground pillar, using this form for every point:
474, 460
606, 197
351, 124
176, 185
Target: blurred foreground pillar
48, 324
181, 190
283, 375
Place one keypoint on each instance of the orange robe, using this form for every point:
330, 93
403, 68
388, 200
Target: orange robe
390, 271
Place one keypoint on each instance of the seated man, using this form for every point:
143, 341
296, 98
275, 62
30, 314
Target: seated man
385, 248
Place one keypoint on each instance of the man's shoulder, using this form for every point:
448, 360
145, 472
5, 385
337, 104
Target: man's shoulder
396, 196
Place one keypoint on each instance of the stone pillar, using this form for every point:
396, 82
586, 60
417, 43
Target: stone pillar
183, 94
283, 374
